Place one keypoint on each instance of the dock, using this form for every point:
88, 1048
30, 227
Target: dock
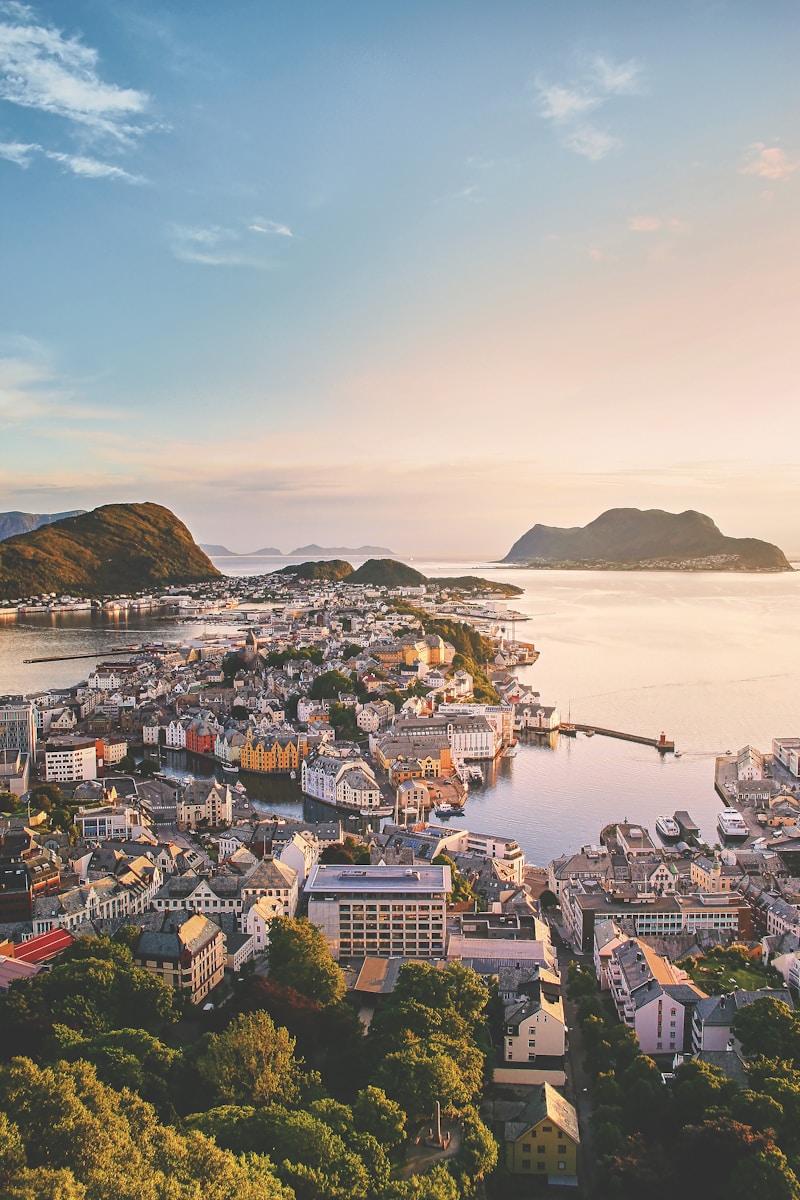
660, 743
689, 831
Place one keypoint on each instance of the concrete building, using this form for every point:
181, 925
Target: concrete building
653, 998
17, 724
380, 910
712, 1024
188, 954
68, 760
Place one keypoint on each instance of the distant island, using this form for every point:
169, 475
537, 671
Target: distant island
13, 523
649, 539
113, 549
388, 572
338, 551
215, 551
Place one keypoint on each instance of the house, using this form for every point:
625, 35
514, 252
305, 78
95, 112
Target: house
188, 953
542, 1138
256, 920
534, 1028
275, 880
301, 853
714, 875
712, 1024
205, 801
652, 997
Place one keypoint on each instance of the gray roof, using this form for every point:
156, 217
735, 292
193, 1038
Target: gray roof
721, 1010
544, 1101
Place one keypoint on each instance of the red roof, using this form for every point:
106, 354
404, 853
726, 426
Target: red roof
44, 946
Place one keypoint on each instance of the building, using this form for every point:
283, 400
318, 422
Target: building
68, 760
653, 998
534, 1028
274, 880
17, 724
273, 753
590, 863
188, 954
543, 1137
344, 782
749, 764
113, 822
787, 751
14, 770
714, 875
380, 910
712, 1024
206, 801
257, 920
27, 873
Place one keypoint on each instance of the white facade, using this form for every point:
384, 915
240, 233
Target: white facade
70, 762
257, 919
301, 854
534, 1029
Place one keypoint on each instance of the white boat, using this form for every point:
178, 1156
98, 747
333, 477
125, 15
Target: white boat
668, 828
474, 775
447, 810
731, 824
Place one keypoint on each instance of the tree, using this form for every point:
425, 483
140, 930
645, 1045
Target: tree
329, 684
251, 1062
375, 1113
299, 958
419, 1075
127, 763
769, 1028
479, 1146
461, 888
548, 900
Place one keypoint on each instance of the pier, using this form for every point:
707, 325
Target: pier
660, 743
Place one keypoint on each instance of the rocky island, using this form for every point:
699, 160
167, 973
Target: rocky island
115, 548
645, 539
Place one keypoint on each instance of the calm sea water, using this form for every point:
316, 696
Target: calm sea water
710, 659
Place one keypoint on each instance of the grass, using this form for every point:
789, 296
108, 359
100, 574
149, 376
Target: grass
722, 971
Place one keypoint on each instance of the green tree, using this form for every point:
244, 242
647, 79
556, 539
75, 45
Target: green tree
479, 1147
299, 958
375, 1113
419, 1075
769, 1028
548, 900
461, 888
251, 1062
329, 684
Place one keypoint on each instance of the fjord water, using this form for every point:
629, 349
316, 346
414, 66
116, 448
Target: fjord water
712, 659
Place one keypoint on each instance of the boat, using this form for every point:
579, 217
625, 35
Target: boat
474, 775
668, 828
230, 768
448, 810
589, 732
678, 753
731, 824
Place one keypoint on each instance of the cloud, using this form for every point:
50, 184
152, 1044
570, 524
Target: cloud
41, 68
262, 225
769, 162
222, 246
557, 103
566, 105
617, 79
591, 142
22, 154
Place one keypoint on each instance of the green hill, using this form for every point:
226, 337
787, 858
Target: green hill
387, 572
114, 549
328, 570
651, 538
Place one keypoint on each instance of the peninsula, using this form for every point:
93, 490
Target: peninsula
118, 547
649, 539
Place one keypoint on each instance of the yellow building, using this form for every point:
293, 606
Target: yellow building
273, 755
542, 1138
188, 954
713, 875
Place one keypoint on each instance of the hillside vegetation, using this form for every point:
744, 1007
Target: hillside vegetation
114, 549
628, 537
329, 570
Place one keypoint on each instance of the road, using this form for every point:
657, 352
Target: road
579, 1083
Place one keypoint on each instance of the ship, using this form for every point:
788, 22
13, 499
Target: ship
448, 810
731, 824
668, 828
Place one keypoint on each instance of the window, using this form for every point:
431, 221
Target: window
540, 1149
540, 1166
562, 1166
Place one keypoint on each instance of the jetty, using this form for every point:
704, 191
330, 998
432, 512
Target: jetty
660, 743
689, 831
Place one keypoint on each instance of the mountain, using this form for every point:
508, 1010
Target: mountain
338, 551
114, 549
12, 523
330, 570
387, 572
651, 538
266, 552
218, 551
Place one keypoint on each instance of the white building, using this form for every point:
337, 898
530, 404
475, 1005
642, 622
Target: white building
301, 854
17, 725
652, 997
787, 751
277, 881
381, 911
344, 782
110, 823
257, 919
68, 760
534, 1028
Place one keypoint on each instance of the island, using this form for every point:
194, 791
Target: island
388, 572
338, 551
642, 540
113, 549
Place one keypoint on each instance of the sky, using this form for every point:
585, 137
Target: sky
418, 273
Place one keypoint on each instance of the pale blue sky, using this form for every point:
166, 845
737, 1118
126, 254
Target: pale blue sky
419, 274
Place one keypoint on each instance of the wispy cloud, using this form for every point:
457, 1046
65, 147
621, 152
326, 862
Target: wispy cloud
226, 246
769, 162
617, 79
263, 225
22, 153
653, 224
566, 106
